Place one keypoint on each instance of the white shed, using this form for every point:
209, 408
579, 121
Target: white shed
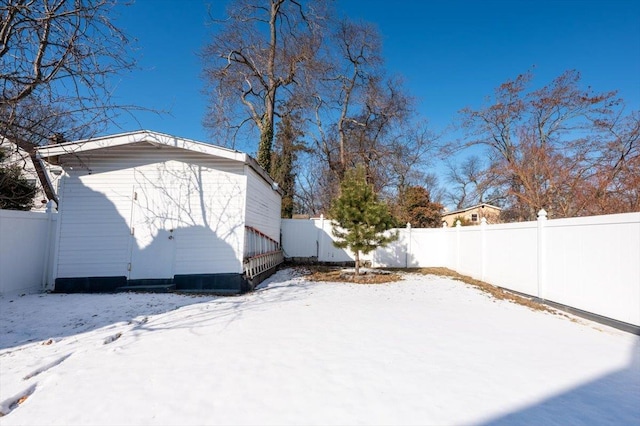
153, 211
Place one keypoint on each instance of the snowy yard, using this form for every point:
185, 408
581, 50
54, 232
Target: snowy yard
426, 350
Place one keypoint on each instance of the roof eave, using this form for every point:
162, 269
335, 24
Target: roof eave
153, 138
471, 208
251, 162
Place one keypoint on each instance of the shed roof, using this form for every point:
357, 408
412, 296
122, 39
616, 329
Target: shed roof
152, 138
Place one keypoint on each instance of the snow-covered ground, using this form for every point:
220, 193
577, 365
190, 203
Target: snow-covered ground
426, 350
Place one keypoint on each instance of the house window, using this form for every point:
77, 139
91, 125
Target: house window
474, 217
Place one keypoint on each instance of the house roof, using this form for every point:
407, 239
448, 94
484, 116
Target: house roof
152, 138
471, 208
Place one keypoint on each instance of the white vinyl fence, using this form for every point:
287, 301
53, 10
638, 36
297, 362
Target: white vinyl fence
588, 263
26, 257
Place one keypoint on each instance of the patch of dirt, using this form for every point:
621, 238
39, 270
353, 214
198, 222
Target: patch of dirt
336, 274
496, 292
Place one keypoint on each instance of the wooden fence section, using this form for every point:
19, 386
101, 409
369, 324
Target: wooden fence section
588, 263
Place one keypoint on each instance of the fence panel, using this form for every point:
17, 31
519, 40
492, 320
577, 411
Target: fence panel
299, 238
593, 263
470, 251
428, 248
311, 239
397, 254
327, 252
510, 256
415, 248
26, 251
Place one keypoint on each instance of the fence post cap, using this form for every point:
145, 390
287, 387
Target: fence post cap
483, 221
458, 223
408, 225
542, 214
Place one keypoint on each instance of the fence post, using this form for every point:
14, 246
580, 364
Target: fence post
483, 247
408, 252
458, 227
47, 247
542, 218
320, 238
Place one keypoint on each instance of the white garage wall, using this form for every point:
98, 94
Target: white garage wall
263, 205
118, 205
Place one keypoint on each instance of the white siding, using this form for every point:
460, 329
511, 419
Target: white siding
263, 205
155, 193
94, 231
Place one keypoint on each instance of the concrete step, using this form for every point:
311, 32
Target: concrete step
149, 288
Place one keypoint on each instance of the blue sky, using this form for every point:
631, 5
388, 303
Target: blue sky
452, 54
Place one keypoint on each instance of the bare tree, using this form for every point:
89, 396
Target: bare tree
309, 195
261, 49
362, 117
617, 181
409, 154
548, 146
56, 58
271, 55
472, 182
352, 61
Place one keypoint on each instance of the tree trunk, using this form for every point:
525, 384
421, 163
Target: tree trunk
266, 129
357, 262
266, 142
40, 172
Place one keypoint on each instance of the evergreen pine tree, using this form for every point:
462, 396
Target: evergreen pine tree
359, 219
16, 192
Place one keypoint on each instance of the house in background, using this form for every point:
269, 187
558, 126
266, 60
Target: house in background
18, 157
473, 214
146, 210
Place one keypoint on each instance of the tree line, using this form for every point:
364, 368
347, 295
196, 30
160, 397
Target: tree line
312, 90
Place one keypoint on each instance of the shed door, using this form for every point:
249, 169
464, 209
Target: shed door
152, 235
